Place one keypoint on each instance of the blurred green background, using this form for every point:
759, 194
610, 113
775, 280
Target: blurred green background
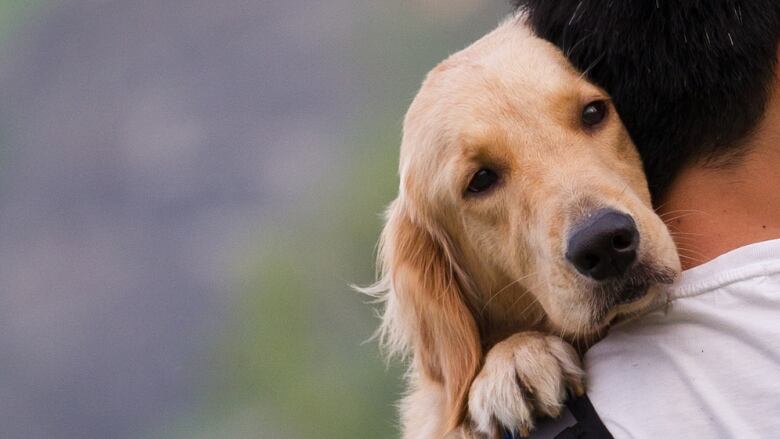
187, 191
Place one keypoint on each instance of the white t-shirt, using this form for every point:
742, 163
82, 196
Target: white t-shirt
707, 366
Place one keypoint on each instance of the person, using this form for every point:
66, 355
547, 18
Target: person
696, 84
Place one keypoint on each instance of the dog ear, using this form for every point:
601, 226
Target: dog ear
425, 307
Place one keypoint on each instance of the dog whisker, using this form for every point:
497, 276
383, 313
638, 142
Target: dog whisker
670, 216
682, 234
530, 304
691, 258
622, 191
672, 212
685, 240
668, 221
493, 296
592, 65
681, 210
660, 206
520, 297
582, 40
692, 251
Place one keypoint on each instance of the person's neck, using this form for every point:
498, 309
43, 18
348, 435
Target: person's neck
712, 210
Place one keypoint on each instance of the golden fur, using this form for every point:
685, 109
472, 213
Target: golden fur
476, 291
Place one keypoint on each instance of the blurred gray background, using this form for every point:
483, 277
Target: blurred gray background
187, 188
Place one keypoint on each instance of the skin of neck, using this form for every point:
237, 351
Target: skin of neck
711, 210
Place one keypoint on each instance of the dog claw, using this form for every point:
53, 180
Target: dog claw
579, 389
524, 376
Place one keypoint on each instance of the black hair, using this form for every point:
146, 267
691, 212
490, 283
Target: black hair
690, 78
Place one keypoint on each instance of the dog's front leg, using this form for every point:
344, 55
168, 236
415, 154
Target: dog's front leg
524, 376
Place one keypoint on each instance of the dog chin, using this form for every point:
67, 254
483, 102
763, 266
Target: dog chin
641, 290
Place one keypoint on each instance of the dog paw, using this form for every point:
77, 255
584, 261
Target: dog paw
524, 376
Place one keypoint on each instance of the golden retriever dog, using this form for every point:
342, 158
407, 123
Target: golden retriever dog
522, 226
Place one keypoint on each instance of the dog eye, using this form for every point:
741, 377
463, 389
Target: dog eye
594, 113
483, 180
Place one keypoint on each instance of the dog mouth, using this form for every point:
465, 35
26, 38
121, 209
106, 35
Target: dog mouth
623, 295
632, 293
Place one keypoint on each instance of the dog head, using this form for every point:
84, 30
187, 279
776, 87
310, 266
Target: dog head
522, 204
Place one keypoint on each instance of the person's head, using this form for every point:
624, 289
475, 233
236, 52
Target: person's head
690, 79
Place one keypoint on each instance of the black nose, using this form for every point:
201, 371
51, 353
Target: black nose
604, 245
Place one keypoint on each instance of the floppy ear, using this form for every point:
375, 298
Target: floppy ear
425, 308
